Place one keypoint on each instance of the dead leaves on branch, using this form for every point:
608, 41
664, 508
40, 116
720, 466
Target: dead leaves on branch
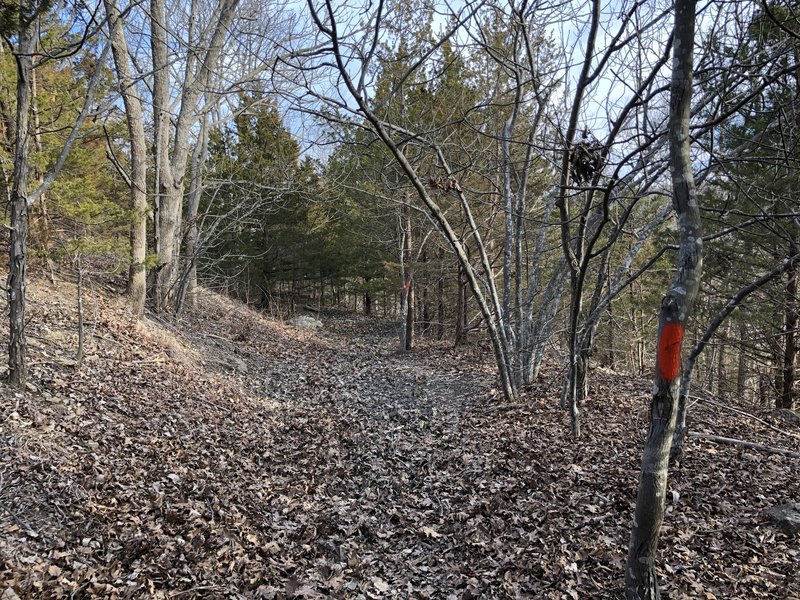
329, 466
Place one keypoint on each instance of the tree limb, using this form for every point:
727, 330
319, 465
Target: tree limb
734, 442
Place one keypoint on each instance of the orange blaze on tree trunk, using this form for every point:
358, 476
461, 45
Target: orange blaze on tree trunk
669, 351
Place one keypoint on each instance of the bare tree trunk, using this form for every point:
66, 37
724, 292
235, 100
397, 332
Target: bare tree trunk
161, 126
440, 312
410, 316
573, 244
188, 287
462, 318
688, 369
676, 307
786, 399
17, 264
532, 338
545, 321
741, 371
426, 311
43, 231
610, 358
137, 275
722, 386
172, 144
21, 198
408, 284
509, 245
440, 301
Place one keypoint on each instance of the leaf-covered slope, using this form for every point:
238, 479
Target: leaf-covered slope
227, 455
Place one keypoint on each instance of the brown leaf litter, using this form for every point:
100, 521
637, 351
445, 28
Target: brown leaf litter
225, 455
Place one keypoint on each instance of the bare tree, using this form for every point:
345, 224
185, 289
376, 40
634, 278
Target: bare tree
21, 198
187, 290
676, 307
588, 197
787, 266
137, 179
172, 151
20, 203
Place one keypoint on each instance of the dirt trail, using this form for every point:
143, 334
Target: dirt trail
230, 456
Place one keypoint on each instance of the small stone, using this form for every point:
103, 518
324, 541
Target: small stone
305, 322
786, 517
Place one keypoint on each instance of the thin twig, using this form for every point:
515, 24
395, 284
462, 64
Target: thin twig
735, 442
747, 414
194, 589
30, 531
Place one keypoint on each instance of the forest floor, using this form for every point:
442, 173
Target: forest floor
226, 455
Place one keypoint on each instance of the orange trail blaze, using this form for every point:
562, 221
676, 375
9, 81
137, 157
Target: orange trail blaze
669, 351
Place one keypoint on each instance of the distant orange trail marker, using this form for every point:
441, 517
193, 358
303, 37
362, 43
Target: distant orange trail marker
669, 351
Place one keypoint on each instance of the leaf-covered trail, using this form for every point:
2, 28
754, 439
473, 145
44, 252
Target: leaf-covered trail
230, 456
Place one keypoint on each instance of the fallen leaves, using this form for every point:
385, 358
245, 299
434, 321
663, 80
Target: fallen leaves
329, 466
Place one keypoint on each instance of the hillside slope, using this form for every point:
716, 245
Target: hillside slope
229, 456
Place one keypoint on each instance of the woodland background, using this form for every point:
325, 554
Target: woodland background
286, 195
493, 175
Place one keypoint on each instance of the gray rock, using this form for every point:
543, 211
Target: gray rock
239, 365
234, 363
305, 322
787, 415
785, 516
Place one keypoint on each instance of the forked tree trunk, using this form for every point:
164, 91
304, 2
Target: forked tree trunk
688, 368
172, 143
640, 573
544, 323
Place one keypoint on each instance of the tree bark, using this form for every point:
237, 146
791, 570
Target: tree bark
188, 289
407, 338
688, 368
172, 144
786, 399
137, 275
17, 264
21, 198
405, 278
462, 317
640, 574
